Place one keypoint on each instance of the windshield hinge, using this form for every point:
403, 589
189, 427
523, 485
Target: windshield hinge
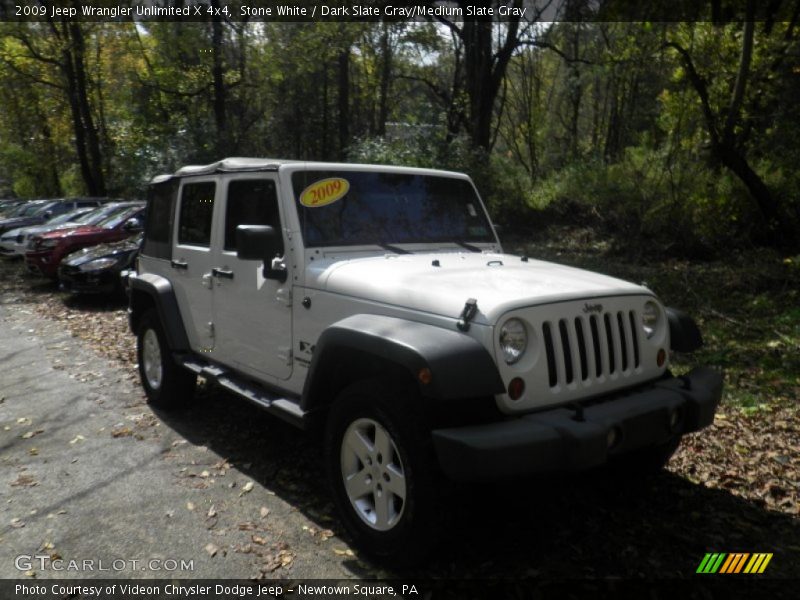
470, 308
284, 296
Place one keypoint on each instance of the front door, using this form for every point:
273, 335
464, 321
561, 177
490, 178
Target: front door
252, 314
191, 263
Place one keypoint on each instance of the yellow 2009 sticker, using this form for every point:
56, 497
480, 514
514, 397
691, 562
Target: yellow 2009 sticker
324, 192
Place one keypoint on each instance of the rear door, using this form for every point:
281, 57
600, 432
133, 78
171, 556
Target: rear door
191, 261
252, 314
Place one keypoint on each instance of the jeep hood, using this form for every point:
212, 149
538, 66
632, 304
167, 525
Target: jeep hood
499, 282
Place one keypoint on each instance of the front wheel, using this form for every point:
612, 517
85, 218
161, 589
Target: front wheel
166, 384
380, 466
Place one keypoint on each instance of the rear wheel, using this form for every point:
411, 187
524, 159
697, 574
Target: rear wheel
165, 383
379, 462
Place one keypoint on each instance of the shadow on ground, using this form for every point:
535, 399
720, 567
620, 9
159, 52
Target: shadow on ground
592, 525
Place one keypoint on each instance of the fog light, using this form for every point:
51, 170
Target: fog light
516, 388
613, 437
661, 357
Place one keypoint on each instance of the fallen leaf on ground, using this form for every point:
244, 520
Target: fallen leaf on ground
24, 480
121, 432
211, 549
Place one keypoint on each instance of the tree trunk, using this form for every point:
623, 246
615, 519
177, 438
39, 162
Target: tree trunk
755, 185
87, 144
344, 101
218, 79
481, 89
385, 81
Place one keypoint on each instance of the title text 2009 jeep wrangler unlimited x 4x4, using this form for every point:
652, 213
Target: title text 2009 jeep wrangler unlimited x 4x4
375, 304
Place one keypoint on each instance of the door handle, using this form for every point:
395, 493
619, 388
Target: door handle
179, 264
216, 272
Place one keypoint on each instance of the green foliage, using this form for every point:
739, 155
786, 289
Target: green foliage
596, 123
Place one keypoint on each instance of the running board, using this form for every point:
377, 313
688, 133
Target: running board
285, 408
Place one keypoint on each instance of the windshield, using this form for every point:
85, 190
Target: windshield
66, 217
41, 209
26, 210
349, 208
117, 217
96, 215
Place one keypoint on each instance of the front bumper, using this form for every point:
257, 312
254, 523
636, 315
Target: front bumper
42, 263
104, 281
553, 440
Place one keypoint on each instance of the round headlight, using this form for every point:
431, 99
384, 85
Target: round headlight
651, 315
513, 340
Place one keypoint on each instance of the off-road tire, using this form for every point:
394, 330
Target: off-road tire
166, 384
410, 538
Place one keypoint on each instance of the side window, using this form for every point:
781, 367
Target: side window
197, 208
160, 210
250, 202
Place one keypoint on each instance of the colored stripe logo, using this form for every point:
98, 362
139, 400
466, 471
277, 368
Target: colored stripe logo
736, 562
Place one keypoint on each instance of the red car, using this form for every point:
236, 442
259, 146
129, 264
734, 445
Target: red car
46, 251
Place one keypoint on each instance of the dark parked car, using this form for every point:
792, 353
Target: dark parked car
96, 270
39, 211
46, 251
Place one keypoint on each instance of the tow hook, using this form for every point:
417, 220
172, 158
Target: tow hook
578, 412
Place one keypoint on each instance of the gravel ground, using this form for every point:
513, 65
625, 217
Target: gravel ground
90, 471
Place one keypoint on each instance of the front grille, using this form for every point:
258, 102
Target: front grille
591, 348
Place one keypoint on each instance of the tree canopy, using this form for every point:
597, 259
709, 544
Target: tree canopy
675, 133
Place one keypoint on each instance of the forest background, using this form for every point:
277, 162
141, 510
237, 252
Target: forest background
677, 137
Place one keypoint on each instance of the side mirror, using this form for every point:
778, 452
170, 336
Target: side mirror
260, 242
132, 224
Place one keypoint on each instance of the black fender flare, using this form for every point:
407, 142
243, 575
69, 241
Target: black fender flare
684, 335
460, 366
160, 293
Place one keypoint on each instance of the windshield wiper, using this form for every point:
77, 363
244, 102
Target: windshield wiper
394, 249
469, 247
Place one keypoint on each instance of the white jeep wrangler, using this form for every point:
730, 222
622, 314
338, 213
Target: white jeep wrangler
375, 306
